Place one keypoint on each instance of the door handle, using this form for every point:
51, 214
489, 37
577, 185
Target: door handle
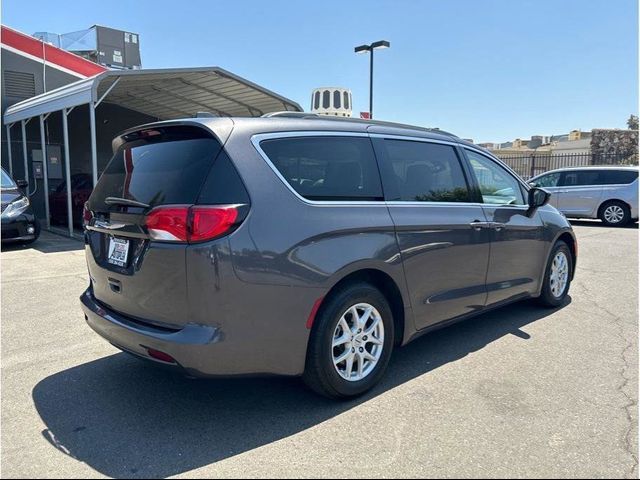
478, 225
498, 226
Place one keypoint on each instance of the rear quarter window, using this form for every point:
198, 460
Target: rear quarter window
619, 177
341, 168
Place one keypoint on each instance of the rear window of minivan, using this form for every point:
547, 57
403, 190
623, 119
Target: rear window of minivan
340, 168
158, 167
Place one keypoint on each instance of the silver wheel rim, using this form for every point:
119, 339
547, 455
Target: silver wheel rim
559, 274
613, 214
357, 342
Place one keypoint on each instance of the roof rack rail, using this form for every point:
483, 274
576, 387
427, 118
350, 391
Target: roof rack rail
288, 114
315, 116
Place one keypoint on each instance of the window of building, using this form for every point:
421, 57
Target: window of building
340, 168
336, 99
316, 102
326, 99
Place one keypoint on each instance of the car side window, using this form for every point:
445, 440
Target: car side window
619, 177
340, 168
497, 186
580, 178
426, 172
548, 180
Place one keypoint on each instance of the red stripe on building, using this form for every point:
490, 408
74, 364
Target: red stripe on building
51, 54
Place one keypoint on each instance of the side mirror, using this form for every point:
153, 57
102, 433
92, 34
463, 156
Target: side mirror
22, 184
538, 197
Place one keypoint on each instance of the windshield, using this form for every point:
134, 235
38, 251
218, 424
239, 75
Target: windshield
7, 182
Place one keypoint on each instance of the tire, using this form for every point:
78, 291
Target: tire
550, 296
328, 379
614, 213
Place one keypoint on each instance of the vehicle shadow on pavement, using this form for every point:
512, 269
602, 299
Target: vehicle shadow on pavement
47, 243
124, 418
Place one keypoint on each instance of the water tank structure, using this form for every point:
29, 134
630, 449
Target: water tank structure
331, 101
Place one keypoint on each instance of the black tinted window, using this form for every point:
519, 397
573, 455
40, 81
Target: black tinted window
581, 178
426, 172
316, 101
163, 166
224, 185
327, 168
619, 177
345, 102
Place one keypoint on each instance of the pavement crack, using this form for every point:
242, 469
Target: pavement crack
631, 403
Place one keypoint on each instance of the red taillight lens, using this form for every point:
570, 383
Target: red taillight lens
211, 222
168, 223
190, 223
86, 215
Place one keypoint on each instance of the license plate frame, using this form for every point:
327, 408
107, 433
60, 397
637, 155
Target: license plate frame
118, 252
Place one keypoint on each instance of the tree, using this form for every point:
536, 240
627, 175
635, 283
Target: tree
632, 123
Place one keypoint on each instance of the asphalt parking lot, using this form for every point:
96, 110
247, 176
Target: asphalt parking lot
522, 391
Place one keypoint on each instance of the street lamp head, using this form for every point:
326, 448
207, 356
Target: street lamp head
380, 44
362, 48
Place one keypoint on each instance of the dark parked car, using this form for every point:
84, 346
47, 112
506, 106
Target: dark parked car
308, 246
19, 224
81, 188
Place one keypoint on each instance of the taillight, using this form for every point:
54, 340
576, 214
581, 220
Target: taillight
168, 224
211, 222
195, 223
86, 215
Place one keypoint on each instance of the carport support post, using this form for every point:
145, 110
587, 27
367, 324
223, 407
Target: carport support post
24, 151
45, 172
94, 150
67, 168
9, 125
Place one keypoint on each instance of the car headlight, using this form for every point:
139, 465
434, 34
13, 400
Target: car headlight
16, 207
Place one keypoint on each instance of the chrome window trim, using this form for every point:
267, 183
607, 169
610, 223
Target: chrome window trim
259, 137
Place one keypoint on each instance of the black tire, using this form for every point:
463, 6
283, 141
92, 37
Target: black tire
547, 297
618, 206
320, 373
35, 237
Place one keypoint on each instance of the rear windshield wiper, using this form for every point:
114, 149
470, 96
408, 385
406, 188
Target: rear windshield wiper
125, 202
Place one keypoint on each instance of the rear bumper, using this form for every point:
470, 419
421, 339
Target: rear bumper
192, 347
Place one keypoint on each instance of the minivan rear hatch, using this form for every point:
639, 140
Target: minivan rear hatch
131, 272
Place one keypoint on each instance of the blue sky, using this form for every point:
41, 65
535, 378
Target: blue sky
490, 70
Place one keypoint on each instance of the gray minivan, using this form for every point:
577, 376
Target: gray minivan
607, 193
308, 246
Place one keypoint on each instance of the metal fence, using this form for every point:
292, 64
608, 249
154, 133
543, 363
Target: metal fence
529, 165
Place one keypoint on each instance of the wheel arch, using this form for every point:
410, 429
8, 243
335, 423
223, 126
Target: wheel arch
387, 286
609, 200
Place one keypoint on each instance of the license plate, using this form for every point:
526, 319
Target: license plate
118, 251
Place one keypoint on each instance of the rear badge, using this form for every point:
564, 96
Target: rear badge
118, 251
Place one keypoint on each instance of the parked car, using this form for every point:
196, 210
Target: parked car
19, 224
81, 188
607, 193
308, 246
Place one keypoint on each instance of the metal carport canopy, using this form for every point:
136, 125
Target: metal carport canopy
162, 93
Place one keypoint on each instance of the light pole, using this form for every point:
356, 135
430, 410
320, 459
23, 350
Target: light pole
370, 49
